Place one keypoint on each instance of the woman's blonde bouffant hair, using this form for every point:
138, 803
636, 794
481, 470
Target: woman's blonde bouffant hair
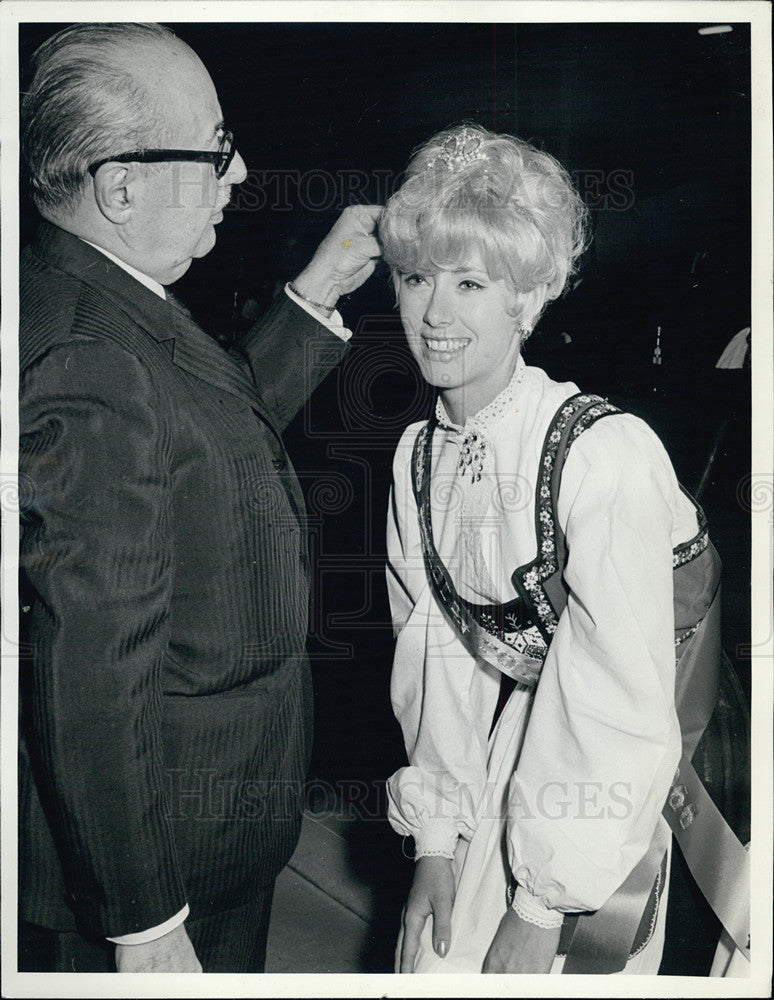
470, 189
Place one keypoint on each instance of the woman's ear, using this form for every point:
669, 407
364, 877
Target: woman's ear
114, 191
529, 305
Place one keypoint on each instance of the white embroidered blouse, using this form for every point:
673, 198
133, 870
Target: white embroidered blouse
602, 739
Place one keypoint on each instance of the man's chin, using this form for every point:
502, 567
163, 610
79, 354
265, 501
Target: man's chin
202, 248
176, 271
206, 243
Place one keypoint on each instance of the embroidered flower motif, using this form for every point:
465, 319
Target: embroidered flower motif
533, 648
685, 554
546, 563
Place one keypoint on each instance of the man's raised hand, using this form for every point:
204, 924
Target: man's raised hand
345, 258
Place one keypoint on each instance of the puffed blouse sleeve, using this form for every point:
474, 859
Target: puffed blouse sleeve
603, 739
432, 800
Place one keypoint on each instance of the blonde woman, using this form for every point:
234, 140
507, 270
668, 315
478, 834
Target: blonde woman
533, 538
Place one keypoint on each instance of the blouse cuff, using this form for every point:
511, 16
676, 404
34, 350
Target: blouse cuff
532, 909
438, 837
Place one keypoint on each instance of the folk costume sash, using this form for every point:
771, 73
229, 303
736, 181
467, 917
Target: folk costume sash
495, 633
602, 942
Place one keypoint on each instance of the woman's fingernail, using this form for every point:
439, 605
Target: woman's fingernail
442, 949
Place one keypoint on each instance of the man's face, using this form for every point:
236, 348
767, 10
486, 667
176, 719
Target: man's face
178, 205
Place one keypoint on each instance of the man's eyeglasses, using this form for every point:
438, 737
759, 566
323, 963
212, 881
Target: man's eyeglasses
220, 158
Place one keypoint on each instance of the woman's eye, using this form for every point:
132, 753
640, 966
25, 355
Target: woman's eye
414, 279
468, 283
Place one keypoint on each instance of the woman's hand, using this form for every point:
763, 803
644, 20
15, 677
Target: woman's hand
519, 946
432, 893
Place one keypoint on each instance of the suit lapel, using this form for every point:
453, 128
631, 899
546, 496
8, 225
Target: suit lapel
201, 356
187, 344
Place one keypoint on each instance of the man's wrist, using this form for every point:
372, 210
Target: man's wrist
152, 933
332, 322
319, 306
316, 289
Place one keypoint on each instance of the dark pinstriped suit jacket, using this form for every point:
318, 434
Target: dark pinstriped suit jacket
166, 705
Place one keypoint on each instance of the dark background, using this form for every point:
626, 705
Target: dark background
653, 121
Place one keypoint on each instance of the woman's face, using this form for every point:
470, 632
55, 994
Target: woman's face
461, 329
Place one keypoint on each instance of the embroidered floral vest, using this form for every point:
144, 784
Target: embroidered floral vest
514, 637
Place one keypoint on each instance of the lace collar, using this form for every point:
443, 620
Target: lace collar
490, 414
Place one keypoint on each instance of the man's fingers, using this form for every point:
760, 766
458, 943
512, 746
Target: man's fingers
357, 220
360, 273
358, 251
367, 246
367, 215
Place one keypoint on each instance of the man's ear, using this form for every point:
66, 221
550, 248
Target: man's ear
115, 191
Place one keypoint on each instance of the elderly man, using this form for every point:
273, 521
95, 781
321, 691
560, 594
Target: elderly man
166, 706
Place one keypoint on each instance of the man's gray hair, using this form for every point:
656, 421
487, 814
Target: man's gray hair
85, 104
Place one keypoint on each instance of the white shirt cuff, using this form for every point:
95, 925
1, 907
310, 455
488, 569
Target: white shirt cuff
334, 322
143, 937
534, 911
437, 838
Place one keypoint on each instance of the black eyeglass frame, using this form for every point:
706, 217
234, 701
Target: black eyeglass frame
220, 158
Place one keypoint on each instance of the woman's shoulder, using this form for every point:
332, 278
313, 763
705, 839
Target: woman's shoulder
621, 460
542, 397
623, 439
618, 434
538, 381
621, 463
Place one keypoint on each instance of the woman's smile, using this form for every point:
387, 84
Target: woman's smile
446, 349
462, 328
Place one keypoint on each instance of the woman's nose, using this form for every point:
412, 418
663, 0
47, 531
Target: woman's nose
438, 311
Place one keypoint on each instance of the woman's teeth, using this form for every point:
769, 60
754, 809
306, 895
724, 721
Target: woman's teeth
447, 346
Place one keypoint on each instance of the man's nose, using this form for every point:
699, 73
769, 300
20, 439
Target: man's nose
438, 311
237, 171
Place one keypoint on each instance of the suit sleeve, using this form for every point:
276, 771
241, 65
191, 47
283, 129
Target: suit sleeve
289, 353
97, 549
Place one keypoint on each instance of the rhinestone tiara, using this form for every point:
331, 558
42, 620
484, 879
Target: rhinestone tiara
459, 149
